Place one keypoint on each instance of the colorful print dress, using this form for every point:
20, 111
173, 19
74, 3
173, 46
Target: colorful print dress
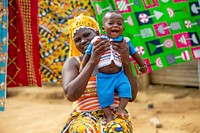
87, 116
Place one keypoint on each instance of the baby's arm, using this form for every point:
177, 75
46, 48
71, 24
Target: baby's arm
136, 56
141, 63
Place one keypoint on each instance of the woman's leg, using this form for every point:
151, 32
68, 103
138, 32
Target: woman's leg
81, 124
95, 122
117, 125
122, 125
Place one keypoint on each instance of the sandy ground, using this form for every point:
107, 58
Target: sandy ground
44, 110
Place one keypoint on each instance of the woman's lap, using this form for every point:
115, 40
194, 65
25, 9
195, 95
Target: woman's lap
94, 122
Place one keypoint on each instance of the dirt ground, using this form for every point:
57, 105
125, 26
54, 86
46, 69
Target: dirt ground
44, 110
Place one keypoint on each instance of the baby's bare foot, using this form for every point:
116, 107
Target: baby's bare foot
109, 118
122, 113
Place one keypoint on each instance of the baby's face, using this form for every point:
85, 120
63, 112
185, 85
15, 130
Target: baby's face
113, 24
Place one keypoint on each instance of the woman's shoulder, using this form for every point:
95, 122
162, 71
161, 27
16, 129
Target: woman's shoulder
72, 62
73, 59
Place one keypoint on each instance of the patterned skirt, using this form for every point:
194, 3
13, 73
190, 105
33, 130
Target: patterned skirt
94, 122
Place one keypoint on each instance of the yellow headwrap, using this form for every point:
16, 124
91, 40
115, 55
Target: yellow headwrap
76, 23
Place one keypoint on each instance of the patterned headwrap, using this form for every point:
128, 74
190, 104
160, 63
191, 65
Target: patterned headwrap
75, 24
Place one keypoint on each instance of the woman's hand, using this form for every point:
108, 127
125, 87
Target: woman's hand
99, 47
123, 50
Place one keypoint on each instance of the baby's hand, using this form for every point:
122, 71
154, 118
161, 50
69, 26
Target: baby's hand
99, 39
143, 68
99, 47
122, 48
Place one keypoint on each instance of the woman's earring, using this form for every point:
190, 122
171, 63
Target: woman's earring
97, 32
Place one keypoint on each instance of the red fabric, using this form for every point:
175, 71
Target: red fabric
23, 51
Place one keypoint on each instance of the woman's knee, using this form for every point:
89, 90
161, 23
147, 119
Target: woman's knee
119, 125
83, 126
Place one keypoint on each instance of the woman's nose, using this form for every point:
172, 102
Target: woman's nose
83, 41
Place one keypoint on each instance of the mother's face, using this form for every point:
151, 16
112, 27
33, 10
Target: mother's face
83, 37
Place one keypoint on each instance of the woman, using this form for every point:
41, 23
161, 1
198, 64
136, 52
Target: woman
80, 87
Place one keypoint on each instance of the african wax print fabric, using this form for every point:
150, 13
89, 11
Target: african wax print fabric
3, 51
164, 32
54, 35
94, 122
23, 52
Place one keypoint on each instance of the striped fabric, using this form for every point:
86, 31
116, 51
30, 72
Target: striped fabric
89, 100
111, 55
108, 56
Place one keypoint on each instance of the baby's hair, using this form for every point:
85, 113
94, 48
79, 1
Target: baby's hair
112, 11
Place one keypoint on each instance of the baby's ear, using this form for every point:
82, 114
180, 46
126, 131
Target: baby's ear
102, 28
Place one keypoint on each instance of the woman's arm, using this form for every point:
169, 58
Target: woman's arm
84, 61
132, 79
74, 83
123, 49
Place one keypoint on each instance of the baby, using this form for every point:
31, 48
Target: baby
111, 77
